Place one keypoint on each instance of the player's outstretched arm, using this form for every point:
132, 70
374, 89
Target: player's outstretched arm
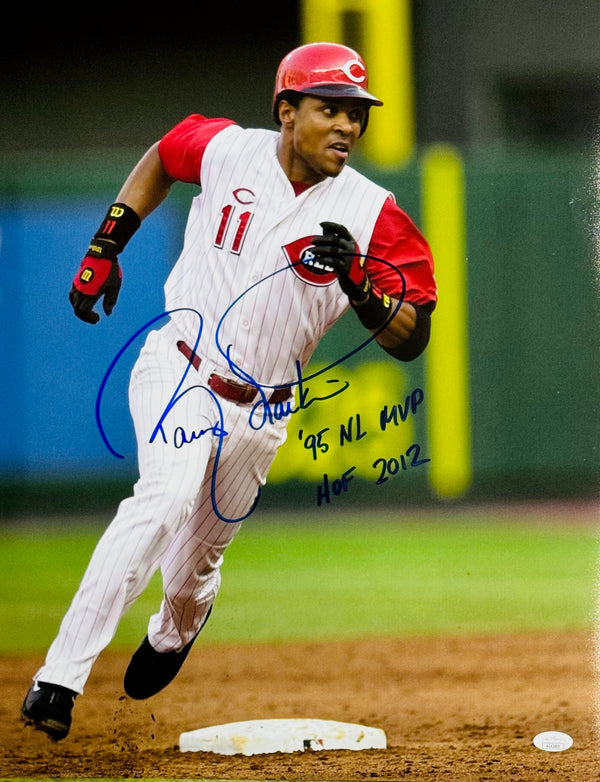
100, 274
148, 184
403, 329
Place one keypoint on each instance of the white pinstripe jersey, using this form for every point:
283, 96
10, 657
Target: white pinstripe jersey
243, 232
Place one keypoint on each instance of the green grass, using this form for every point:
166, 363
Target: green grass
344, 576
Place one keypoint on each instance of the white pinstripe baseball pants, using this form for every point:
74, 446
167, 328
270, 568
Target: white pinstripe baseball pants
170, 521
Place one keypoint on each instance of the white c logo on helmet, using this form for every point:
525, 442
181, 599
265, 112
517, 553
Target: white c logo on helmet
347, 70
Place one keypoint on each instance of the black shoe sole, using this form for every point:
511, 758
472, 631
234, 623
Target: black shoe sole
54, 729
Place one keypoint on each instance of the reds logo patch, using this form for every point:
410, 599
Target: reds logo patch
297, 253
355, 70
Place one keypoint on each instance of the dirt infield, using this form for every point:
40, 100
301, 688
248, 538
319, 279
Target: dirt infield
456, 709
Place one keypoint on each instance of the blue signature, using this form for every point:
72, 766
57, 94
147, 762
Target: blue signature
261, 413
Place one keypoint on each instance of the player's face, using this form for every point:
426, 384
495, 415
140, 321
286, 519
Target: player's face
322, 134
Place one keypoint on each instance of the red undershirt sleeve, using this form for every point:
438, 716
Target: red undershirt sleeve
182, 148
398, 242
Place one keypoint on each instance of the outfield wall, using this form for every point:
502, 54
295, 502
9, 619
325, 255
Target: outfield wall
531, 366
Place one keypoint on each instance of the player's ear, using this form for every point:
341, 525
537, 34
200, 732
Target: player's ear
287, 112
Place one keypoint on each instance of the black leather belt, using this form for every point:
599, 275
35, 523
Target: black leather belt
240, 393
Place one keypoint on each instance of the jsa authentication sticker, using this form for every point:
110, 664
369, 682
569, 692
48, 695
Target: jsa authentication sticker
553, 741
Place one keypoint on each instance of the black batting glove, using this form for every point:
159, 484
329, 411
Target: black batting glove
336, 251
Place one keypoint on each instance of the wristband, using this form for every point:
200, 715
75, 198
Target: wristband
375, 309
119, 225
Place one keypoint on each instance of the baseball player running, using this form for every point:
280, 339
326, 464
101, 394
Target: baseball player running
283, 239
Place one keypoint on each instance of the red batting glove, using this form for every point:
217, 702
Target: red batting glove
99, 275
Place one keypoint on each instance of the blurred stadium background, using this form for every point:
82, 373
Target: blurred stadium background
488, 139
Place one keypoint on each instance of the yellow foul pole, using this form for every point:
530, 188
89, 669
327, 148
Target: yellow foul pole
381, 31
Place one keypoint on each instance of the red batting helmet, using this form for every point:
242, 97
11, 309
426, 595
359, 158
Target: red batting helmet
323, 70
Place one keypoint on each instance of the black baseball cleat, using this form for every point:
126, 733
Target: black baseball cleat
48, 707
150, 671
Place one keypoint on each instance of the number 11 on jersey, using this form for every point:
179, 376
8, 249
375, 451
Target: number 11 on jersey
228, 216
